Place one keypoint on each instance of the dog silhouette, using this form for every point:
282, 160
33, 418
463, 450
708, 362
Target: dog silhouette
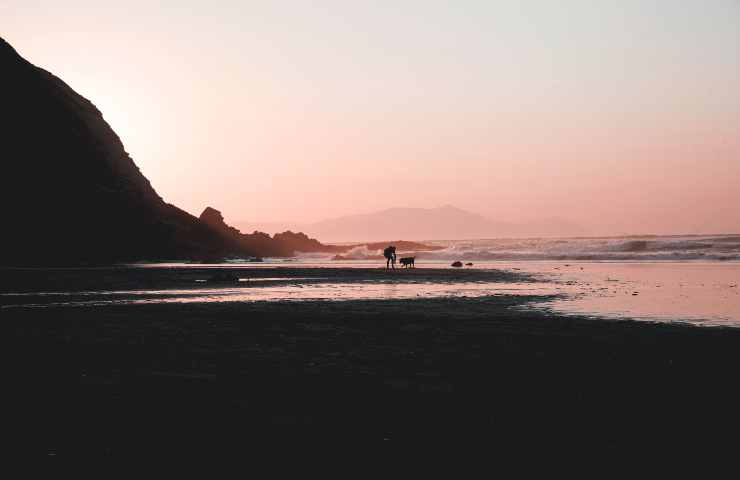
407, 262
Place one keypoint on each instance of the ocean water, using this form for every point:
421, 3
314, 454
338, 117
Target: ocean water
632, 248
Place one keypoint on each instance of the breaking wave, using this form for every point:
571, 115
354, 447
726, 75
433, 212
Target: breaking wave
653, 248
362, 253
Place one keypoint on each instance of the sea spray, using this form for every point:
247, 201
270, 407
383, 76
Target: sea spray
634, 248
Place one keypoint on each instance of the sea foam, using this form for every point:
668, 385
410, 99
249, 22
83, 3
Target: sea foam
643, 248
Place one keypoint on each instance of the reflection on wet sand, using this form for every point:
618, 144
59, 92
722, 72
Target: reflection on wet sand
282, 289
701, 293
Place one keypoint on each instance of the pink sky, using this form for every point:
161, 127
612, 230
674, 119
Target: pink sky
623, 119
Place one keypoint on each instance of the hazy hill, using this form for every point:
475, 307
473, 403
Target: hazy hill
442, 223
408, 223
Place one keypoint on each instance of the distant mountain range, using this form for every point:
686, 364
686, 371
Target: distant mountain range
441, 223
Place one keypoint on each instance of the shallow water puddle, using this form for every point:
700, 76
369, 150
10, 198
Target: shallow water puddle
298, 291
700, 293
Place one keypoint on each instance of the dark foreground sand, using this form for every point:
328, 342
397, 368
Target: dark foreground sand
221, 378
123, 278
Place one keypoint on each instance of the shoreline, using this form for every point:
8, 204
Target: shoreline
702, 294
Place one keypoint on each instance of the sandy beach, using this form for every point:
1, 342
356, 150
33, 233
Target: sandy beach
252, 230
132, 379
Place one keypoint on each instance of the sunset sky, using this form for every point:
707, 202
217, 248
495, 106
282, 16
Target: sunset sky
621, 116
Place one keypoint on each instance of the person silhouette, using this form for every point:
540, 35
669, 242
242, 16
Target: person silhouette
390, 255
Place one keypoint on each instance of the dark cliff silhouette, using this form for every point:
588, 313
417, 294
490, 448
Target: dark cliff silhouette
73, 195
70, 192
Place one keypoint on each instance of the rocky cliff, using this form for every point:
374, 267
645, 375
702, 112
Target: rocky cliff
70, 192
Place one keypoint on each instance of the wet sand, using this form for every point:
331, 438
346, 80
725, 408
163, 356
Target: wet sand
179, 276
220, 378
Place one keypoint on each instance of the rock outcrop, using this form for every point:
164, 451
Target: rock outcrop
284, 244
300, 242
214, 219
